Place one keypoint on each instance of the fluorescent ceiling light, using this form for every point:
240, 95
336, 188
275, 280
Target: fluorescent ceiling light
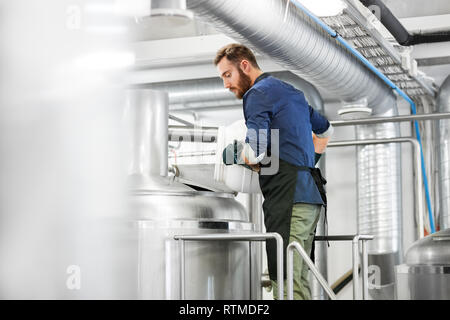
324, 8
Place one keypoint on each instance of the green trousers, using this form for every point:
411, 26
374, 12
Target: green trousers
303, 223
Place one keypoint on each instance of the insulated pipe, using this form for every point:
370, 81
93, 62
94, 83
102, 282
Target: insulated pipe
387, 81
443, 103
201, 93
294, 41
399, 32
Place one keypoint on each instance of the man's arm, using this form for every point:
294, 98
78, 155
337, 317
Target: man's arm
322, 131
258, 120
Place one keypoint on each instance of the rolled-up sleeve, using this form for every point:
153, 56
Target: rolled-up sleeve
258, 115
320, 125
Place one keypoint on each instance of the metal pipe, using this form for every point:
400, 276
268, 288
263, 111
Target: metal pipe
365, 270
355, 249
146, 114
187, 123
182, 271
195, 134
443, 104
414, 117
290, 271
245, 237
254, 205
355, 260
212, 131
418, 185
193, 154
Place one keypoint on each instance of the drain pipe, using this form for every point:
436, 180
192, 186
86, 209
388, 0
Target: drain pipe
366, 62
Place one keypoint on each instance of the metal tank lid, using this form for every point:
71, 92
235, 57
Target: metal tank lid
431, 250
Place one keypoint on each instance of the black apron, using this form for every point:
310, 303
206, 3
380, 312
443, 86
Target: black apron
278, 191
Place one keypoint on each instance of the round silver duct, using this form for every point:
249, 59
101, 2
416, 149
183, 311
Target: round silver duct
379, 204
443, 102
203, 93
295, 42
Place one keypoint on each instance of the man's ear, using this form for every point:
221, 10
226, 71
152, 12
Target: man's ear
245, 66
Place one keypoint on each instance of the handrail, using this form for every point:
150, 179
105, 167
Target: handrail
355, 259
233, 237
418, 192
290, 271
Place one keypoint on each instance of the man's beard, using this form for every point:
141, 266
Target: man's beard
243, 85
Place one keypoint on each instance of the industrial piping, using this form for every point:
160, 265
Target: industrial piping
443, 102
358, 55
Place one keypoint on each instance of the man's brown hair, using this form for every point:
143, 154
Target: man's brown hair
236, 52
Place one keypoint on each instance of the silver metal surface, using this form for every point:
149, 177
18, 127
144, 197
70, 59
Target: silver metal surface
426, 272
295, 42
443, 105
195, 134
365, 271
146, 121
213, 270
290, 271
255, 212
380, 199
162, 208
241, 237
207, 93
431, 250
373, 120
355, 266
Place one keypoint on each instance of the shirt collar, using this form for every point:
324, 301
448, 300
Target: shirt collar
261, 76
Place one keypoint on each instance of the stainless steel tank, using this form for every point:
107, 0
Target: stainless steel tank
164, 208
426, 272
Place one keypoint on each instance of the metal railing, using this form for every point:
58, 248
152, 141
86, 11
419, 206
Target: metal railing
356, 239
418, 192
290, 271
232, 237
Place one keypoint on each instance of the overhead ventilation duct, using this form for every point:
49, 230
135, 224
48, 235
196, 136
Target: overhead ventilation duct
443, 102
291, 39
202, 93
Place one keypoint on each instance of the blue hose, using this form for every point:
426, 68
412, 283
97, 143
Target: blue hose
366, 62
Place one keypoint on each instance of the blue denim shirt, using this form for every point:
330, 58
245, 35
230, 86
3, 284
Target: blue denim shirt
273, 104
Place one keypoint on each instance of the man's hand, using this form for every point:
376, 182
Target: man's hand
237, 153
320, 144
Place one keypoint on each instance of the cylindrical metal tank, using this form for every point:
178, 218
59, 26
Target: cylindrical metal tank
163, 208
426, 272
